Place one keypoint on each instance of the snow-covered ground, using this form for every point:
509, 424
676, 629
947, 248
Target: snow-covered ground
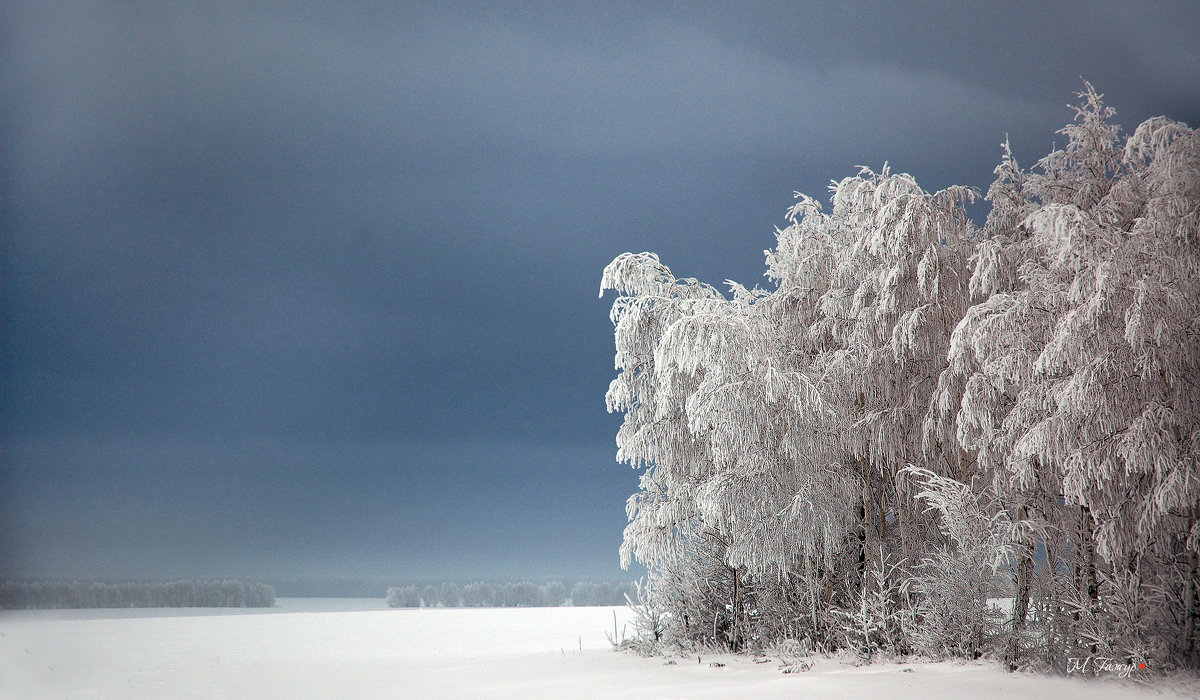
358, 649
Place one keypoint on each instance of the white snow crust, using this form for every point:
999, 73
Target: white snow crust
324, 649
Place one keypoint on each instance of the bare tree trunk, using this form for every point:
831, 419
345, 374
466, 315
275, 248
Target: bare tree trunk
1052, 603
811, 584
1085, 568
735, 629
1021, 603
866, 514
1093, 588
861, 571
1191, 589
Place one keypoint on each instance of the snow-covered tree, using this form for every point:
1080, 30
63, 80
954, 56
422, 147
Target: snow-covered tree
404, 597
451, 595
746, 411
554, 594
800, 447
478, 595
1079, 362
895, 291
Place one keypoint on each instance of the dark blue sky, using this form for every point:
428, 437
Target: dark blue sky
312, 291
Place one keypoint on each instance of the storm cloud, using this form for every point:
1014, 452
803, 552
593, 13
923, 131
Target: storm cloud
312, 289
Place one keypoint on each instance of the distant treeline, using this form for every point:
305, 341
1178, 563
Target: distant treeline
331, 587
509, 595
176, 594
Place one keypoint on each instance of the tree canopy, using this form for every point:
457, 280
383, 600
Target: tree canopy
922, 415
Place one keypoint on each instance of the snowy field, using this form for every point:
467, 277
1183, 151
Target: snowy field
315, 648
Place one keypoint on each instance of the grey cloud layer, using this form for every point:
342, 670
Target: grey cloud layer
385, 222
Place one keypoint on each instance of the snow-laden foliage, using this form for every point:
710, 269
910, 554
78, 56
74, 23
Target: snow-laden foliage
771, 425
403, 597
883, 617
956, 582
924, 415
1080, 361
